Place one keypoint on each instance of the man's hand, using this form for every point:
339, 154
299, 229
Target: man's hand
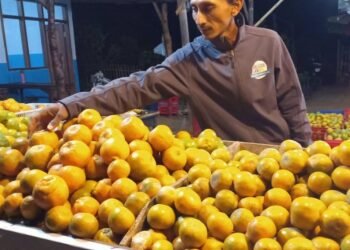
48, 118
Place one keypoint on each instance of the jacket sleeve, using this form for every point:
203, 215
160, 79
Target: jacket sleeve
135, 91
290, 97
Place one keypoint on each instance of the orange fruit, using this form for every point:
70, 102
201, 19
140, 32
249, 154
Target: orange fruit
278, 214
205, 211
106, 236
260, 227
202, 187
286, 233
96, 169
222, 154
44, 137
298, 190
150, 186
38, 156
212, 244
136, 201
241, 218
187, 201
341, 177
197, 171
98, 128
21, 174
196, 156
345, 243
178, 174
105, 208
297, 243
50, 191
162, 245
330, 196
133, 128
75, 153
174, 158
142, 165
117, 169
122, 188
114, 148
226, 201
344, 153
260, 185
29, 210
323, 243
244, 184
11, 162
319, 182
167, 180
217, 164
85, 204
120, 220
342, 205
115, 120
89, 117
30, 179
219, 225
319, 162
270, 153
193, 233
294, 160
305, 212
335, 223
236, 241
319, 147
109, 133
287, 145
12, 203
277, 196
83, 225
267, 244
78, 132
207, 142
57, 219
142, 240
140, 145
248, 163
166, 195
160, 217
12, 187
267, 167
183, 134
73, 176
283, 179
55, 159
83, 191
251, 203
161, 138
21, 144
220, 179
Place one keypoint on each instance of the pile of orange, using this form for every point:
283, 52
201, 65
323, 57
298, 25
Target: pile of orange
94, 178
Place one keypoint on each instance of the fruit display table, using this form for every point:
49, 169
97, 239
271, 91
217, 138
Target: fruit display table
18, 237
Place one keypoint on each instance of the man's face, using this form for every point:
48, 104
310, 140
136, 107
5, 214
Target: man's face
213, 17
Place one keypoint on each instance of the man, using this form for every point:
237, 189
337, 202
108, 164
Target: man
239, 80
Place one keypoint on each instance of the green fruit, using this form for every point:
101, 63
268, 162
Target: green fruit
13, 123
3, 141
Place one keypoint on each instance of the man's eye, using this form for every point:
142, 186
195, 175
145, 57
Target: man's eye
194, 9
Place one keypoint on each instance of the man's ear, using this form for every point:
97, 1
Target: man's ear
237, 5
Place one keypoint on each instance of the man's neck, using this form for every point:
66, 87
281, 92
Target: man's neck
227, 40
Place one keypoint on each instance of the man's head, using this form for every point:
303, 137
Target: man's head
215, 17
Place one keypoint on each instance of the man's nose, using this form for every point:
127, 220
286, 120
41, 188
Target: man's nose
200, 18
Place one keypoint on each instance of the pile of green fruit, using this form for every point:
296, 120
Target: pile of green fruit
12, 127
338, 134
328, 120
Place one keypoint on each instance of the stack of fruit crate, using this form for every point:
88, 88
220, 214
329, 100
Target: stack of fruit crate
169, 106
